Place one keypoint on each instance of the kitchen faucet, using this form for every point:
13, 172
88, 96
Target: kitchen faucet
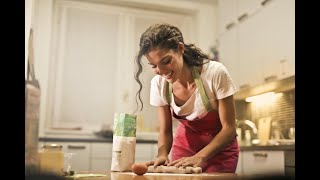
252, 127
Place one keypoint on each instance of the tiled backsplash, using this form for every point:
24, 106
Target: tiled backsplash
281, 111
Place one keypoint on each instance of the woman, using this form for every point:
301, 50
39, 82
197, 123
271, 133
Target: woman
196, 91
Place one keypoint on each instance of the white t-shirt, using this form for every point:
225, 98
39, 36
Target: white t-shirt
217, 84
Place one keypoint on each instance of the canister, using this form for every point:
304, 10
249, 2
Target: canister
51, 159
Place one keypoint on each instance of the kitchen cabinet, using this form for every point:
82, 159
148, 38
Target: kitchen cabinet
80, 159
101, 156
96, 156
290, 163
227, 14
260, 45
262, 162
239, 169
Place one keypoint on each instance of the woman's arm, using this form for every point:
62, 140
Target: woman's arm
165, 135
226, 110
228, 132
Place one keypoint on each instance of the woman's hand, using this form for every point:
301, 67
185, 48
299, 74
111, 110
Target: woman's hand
161, 160
194, 161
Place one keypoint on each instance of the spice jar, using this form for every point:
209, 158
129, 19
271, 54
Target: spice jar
51, 159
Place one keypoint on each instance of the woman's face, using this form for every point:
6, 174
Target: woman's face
166, 63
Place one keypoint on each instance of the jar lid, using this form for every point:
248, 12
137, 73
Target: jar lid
51, 146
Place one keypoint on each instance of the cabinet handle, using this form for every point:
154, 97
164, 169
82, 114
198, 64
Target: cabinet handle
76, 147
265, 2
230, 25
242, 17
260, 154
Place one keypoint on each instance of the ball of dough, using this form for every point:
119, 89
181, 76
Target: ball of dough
139, 168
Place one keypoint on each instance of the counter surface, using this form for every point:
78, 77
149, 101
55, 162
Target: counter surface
158, 176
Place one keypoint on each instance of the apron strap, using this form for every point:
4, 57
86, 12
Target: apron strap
204, 97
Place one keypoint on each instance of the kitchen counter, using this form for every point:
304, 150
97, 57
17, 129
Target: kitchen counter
268, 147
142, 140
159, 176
90, 139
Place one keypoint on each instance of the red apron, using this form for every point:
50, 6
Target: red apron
192, 136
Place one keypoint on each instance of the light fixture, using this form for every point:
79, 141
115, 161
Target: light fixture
261, 97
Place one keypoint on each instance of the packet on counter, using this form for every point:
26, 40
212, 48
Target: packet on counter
124, 142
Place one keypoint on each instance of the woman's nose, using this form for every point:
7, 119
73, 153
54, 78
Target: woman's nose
157, 70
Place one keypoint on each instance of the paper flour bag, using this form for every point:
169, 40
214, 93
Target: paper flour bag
124, 142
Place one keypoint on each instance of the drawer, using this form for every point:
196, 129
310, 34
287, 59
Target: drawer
263, 162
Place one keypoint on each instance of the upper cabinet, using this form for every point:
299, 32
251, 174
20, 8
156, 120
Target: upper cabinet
227, 14
262, 38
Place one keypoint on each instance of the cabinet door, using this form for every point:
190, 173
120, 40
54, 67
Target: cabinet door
229, 52
247, 7
239, 169
263, 162
227, 13
101, 156
277, 20
80, 159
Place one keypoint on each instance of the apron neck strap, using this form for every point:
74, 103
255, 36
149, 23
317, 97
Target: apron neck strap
196, 77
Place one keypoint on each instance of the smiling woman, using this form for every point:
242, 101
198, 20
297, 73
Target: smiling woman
196, 91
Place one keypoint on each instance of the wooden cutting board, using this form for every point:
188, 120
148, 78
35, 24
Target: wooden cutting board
264, 130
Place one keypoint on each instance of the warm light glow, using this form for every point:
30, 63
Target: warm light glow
263, 98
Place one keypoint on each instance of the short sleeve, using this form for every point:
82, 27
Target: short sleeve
222, 82
156, 92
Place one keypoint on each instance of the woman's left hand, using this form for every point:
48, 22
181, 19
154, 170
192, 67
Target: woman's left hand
194, 161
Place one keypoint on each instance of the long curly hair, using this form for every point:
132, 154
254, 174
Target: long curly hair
165, 36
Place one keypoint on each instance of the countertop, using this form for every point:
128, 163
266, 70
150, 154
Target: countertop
159, 176
141, 140
268, 147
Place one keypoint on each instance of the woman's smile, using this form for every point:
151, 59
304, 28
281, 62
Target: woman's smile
168, 76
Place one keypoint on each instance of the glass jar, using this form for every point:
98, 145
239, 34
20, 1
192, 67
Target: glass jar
51, 159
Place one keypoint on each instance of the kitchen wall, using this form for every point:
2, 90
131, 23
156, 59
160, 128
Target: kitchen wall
281, 111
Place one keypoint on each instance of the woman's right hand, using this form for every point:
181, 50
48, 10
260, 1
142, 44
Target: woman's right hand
160, 160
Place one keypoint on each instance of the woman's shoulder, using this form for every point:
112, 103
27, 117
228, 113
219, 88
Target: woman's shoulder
213, 67
158, 81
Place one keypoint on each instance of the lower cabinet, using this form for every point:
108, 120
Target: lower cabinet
80, 154
261, 162
290, 163
98, 155
101, 156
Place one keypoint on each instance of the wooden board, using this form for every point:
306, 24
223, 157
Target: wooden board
264, 130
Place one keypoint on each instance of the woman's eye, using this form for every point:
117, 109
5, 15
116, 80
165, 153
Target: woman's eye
153, 66
167, 61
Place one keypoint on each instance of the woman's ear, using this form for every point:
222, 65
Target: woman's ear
181, 48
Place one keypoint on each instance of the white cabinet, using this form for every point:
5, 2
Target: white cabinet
277, 26
80, 160
101, 156
239, 169
262, 44
229, 54
261, 162
227, 12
